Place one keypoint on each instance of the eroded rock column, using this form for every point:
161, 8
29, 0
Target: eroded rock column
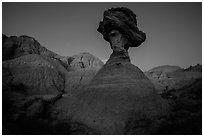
120, 99
119, 28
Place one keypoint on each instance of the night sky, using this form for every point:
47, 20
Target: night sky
174, 30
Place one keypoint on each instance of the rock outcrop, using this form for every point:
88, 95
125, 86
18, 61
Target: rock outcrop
34, 78
186, 109
28, 65
35, 74
120, 99
173, 77
82, 68
119, 28
14, 47
196, 68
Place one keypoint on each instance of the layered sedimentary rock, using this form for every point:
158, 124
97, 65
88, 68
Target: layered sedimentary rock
186, 105
173, 77
82, 68
34, 78
119, 28
120, 99
34, 74
14, 47
28, 65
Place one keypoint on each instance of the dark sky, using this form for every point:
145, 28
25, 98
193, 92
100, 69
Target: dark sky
174, 30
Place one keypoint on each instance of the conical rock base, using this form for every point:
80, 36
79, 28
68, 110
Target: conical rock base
118, 99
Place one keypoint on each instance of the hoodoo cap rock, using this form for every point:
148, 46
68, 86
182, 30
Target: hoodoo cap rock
124, 20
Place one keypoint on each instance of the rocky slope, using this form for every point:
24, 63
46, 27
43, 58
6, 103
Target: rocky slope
14, 47
35, 74
119, 90
186, 104
32, 75
172, 77
40, 71
82, 69
183, 90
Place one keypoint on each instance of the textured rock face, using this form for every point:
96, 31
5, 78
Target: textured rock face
165, 69
35, 74
41, 71
85, 60
186, 106
82, 68
33, 79
119, 28
196, 68
123, 20
117, 94
120, 97
173, 77
14, 47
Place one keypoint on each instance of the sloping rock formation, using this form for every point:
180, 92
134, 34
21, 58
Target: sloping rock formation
196, 68
34, 78
82, 68
120, 99
14, 47
163, 69
35, 74
173, 77
186, 109
40, 71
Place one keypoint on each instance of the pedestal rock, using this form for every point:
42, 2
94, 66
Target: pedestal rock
120, 99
